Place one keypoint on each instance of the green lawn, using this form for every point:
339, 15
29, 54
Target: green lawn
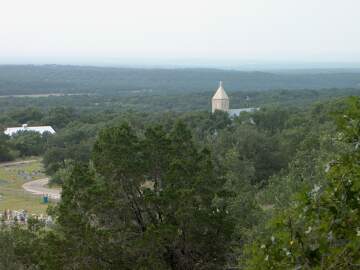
12, 195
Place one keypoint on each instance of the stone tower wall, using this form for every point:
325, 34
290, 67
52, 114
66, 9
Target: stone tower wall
220, 105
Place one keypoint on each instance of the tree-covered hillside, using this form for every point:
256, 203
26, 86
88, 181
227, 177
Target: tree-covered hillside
273, 189
77, 79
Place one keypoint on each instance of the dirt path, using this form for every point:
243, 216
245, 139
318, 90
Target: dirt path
37, 187
15, 163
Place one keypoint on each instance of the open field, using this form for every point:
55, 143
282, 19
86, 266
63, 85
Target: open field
12, 195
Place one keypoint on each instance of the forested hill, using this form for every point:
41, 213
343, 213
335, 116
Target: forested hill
75, 79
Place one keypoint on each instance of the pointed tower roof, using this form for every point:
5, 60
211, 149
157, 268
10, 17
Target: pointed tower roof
220, 93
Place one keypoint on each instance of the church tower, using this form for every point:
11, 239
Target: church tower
220, 100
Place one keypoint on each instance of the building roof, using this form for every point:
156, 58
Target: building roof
40, 129
220, 93
237, 112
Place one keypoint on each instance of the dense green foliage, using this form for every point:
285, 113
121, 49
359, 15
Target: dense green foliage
29, 143
321, 229
155, 201
5, 150
172, 186
22, 144
161, 102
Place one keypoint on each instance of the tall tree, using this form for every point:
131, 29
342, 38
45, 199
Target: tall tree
5, 149
154, 202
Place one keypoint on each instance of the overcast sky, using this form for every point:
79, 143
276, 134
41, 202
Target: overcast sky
156, 31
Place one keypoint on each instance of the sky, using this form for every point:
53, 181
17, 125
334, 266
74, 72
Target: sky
179, 32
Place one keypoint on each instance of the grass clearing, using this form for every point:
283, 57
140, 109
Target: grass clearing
12, 195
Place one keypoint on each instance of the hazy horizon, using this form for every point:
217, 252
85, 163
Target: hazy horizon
248, 34
201, 64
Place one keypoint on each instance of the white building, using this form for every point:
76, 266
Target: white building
40, 129
220, 102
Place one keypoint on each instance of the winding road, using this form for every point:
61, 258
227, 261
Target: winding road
37, 187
